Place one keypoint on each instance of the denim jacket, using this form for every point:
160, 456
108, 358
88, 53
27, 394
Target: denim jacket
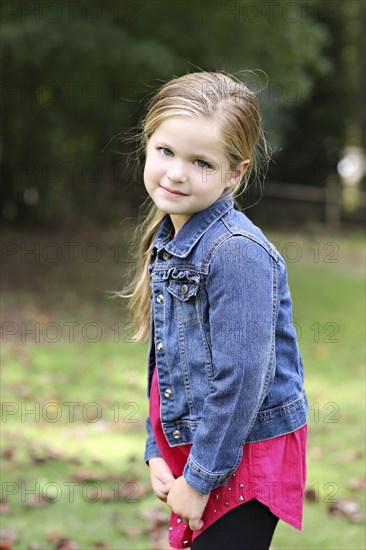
222, 337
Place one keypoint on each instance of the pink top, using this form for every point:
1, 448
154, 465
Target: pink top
272, 471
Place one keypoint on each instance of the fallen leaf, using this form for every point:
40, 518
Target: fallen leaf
87, 475
40, 455
5, 508
101, 544
159, 540
134, 530
66, 544
132, 458
9, 534
113, 477
9, 453
101, 495
41, 319
357, 483
315, 452
348, 456
51, 537
34, 500
37, 457
134, 490
348, 508
75, 460
157, 528
154, 515
310, 495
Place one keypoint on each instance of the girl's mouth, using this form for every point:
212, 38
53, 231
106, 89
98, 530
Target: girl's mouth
172, 192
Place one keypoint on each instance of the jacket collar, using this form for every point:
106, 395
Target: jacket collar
192, 230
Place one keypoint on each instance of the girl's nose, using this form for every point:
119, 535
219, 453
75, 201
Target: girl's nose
177, 173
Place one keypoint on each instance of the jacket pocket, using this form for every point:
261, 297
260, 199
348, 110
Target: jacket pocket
185, 300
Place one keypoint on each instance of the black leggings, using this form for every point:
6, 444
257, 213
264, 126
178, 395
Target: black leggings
249, 526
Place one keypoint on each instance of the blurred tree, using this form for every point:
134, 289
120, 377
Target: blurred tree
76, 75
333, 115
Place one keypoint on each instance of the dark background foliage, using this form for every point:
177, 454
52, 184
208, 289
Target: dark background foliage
76, 76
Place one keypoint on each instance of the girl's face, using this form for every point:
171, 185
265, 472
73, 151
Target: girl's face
186, 169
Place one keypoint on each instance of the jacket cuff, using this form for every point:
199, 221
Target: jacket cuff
201, 480
151, 451
151, 447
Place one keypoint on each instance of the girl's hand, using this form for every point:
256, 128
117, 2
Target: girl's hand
161, 477
187, 503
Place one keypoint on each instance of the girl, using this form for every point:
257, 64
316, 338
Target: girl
227, 424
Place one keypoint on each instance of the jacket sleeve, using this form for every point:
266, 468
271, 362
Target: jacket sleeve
241, 287
151, 447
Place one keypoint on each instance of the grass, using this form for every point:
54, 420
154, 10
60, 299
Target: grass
74, 409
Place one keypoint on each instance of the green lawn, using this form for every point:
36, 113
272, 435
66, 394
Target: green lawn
74, 409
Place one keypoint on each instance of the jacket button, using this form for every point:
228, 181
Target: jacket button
160, 298
176, 434
160, 346
184, 289
168, 393
166, 255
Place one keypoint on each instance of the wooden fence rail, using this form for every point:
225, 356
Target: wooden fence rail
330, 196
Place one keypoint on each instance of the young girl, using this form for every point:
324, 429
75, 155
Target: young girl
228, 412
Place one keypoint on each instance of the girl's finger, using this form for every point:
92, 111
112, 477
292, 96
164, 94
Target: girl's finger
168, 485
195, 524
160, 495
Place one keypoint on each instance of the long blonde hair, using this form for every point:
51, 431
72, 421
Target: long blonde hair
199, 95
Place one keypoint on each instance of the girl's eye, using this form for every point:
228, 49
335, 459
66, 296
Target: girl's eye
206, 165
163, 151
168, 153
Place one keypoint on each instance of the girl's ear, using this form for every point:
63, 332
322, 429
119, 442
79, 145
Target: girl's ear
238, 173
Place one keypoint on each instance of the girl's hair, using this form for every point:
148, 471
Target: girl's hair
236, 110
